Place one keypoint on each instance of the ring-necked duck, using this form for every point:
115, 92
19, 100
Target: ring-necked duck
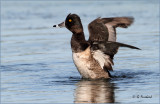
94, 58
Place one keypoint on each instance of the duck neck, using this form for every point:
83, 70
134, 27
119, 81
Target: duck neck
78, 42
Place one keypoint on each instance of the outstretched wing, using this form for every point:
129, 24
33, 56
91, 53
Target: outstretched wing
103, 52
98, 31
103, 29
102, 37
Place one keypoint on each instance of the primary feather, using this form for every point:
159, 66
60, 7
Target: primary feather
102, 36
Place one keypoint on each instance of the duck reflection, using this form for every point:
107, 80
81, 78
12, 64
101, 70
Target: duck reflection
94, 91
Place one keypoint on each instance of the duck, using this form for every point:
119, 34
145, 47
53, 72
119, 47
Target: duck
94, 57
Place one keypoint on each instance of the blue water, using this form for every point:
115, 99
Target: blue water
36, 59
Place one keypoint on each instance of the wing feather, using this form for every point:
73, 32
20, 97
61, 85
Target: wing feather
112, 23
103, 52
104, 29
97, 31
102, 37
104, 60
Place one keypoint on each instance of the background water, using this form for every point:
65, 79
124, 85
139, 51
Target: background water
36, 59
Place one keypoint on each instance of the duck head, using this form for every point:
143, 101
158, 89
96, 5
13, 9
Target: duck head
72, 23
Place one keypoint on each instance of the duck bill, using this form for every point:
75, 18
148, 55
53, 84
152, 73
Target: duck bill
60, 25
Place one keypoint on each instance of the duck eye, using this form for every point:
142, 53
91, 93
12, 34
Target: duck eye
70, 20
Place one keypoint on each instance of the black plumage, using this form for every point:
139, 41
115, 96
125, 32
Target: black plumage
93, 58
109, 47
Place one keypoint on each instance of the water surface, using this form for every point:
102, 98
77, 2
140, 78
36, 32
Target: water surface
36, 62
